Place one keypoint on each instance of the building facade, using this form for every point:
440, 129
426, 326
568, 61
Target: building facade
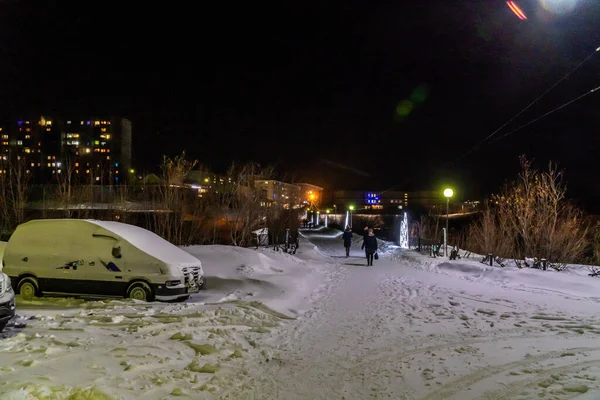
310, 194
392, 202
282, 193
96, 150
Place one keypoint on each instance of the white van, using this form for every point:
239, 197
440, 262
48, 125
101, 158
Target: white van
99, 258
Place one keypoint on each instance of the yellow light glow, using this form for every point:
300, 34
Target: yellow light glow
351, 208
448, 193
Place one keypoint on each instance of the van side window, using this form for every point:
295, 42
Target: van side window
116, 252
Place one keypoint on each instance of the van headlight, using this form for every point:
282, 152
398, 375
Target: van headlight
8, 284
173, 283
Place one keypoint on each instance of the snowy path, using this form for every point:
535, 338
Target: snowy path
398, 331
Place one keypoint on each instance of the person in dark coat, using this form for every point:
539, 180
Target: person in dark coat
347, 236
370, 246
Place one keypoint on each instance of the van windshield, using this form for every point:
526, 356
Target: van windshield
148, 242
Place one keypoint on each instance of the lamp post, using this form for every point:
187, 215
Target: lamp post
351, 209
447, 194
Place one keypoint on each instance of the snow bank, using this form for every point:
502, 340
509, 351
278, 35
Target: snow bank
123, 349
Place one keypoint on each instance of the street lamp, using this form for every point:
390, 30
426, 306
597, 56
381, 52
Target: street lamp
351, 209
447, 194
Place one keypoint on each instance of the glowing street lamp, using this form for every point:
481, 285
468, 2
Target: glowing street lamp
447, 194
351, 209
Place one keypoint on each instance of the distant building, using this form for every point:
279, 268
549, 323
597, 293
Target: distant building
393, 201
310, 194
339, 201
94, 149
283, 193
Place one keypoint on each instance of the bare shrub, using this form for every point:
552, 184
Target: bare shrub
532, 218
243, 202
172, 200
490, 234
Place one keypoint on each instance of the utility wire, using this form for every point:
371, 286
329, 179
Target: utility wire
546, 114
491, 135
494, 133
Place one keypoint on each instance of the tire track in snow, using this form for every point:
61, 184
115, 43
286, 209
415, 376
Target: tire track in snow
447, 390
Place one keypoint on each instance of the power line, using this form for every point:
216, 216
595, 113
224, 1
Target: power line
546, 114
491, 135
494, 133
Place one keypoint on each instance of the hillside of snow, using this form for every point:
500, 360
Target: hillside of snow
318, 325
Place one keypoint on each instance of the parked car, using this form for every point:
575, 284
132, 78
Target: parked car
98, 258
7, 300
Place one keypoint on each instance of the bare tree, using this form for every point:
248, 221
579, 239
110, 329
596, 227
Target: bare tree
532, 218
243, 202
172, 200
17, 188
65, 187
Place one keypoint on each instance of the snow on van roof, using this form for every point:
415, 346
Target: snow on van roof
148, 242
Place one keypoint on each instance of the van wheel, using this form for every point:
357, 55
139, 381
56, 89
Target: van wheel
28, 288
140, 291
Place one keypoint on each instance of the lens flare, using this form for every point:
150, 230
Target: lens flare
558, 6
516, 9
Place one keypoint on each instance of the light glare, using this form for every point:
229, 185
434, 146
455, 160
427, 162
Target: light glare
558, 6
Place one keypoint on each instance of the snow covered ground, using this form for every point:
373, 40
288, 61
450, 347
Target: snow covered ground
320, 326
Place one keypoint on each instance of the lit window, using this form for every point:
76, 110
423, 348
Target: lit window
33, 164
28, 171
48, 164
96, 123
103, 129
4, 136
59, 171
27, 151
27, 129
97, 178
5, 143
27, 136
87, 171
87, 150
69, 122
47, 129
108, 157
19, 143
54, 164
77, 164
108, 136
49, 158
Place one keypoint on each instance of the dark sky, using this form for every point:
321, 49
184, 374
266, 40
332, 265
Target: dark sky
314, 86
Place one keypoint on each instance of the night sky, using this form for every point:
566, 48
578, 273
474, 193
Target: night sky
320, 88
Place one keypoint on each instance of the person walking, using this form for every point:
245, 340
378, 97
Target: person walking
370, 246
347, 236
